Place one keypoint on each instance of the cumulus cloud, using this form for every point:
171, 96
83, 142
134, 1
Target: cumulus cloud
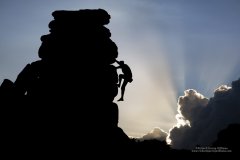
200, 119
156, 133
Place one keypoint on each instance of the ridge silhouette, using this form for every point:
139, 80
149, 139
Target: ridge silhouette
64, 101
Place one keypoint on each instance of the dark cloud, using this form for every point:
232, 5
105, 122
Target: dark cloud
228, 138
200, 119
156, 133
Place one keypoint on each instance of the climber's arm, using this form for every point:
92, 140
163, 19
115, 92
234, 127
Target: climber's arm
119, 67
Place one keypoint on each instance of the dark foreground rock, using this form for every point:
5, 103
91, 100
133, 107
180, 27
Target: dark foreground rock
64, 101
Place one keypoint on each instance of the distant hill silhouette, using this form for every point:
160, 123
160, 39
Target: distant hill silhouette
64, 101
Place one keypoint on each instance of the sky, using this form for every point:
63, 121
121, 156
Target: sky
170, 45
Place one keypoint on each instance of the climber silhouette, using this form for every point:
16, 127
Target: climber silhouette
127, 76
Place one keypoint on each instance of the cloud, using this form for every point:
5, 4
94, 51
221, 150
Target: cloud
229, 138
156, 133
199, 119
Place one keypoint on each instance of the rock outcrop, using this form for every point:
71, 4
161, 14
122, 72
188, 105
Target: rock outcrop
64, 101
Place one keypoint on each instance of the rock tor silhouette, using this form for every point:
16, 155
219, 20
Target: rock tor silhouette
64, 101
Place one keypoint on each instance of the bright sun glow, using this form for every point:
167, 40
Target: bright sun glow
150, 99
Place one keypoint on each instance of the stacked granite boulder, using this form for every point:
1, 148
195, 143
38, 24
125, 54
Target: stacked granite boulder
66, 99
